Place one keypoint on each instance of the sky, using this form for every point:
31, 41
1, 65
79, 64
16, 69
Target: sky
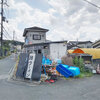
65, 19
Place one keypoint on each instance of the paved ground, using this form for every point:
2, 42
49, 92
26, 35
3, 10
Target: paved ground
75, 89
6, 65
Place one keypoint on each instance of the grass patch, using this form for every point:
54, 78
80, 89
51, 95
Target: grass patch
83, 75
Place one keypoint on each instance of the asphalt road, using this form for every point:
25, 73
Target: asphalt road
75, 89
6, 65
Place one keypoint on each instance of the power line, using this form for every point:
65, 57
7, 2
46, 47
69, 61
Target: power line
5, 13
92, 4
5, 36
10, 37
7, 28
7, 32
6, 8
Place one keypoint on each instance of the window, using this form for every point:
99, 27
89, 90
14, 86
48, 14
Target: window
36, 37
39, 51
45, 47
42, 35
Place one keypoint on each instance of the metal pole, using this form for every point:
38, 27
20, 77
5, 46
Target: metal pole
13, 35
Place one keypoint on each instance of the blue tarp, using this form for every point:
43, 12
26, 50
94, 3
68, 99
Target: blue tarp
62, 69
59, 61
46, 61
68, 71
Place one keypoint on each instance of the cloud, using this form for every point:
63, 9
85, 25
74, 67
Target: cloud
66, 19
26, 16
77, 14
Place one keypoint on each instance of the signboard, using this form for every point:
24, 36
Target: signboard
22, 65
30, 66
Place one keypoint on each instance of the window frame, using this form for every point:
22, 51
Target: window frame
37, 36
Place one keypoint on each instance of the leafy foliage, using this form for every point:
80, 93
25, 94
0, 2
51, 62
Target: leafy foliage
79, 63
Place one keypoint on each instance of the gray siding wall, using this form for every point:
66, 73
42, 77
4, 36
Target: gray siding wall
87, 45
34, 49
29, 36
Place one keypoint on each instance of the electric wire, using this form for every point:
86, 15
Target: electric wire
92, 4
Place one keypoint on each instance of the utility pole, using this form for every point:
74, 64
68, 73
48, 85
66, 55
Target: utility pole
13, 35
13, 40
2, 18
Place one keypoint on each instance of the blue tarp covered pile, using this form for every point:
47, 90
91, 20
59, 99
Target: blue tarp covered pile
68, 71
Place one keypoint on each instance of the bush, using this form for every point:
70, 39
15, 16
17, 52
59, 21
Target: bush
76, 61
79, 63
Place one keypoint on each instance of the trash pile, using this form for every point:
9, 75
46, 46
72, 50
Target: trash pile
53, 70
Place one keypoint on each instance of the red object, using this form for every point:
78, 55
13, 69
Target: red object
51, 81
78, 51
47, 81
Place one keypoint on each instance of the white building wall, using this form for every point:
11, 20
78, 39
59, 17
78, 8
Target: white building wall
57, 50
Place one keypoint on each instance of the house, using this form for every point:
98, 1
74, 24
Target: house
35, 42
94, 52
35, 35
96, 44
79, 44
